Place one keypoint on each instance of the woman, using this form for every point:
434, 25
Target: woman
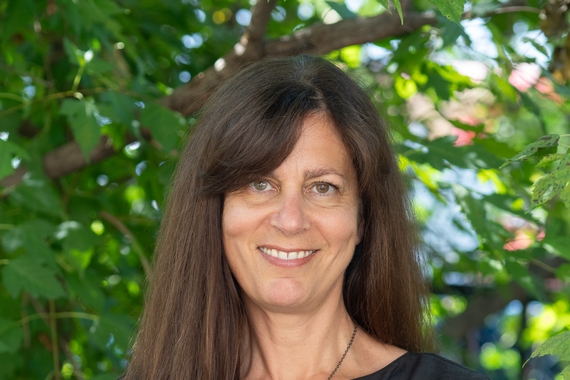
287, 249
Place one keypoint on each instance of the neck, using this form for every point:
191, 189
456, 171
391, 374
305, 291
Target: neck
298, 346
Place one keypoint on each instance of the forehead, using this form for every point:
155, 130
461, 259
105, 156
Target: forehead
320, 148
317, 131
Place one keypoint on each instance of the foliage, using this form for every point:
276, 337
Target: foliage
557, 345
96, 97
554, 182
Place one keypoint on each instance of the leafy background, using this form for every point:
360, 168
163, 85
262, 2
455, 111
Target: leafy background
96, 97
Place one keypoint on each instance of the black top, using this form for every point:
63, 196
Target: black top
414, 366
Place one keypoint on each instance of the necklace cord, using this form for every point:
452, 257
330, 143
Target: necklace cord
345, 351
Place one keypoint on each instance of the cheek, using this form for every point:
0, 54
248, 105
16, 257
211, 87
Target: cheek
234, 232
342, 226
341, 234
238, 222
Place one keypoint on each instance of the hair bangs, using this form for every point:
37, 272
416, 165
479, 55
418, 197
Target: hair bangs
253, 146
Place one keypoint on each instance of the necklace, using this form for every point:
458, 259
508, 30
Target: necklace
345, 352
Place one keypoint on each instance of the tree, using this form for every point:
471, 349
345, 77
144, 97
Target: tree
97, 95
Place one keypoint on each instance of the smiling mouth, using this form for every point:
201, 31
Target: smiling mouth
286, 255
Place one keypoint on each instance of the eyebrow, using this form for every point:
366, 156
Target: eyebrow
317, 173
320, 172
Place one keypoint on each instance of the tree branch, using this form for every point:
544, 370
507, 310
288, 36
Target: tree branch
317, 39
189, 98
321, 39
64, 160
54, 340
131, 237
42, 314
260, 16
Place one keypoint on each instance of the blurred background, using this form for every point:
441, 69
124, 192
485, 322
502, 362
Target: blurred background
97, 97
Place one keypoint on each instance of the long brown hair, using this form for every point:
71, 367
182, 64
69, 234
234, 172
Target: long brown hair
194, 325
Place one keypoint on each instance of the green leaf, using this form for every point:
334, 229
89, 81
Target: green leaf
548, 186
482, 8
442, 153
411, 52
521, 275
10, 364
542, 190
81, 116
123, 107
12, 121
77, 243
32, 236
566, 372
505, 88
5, 163
540, 47
558, 345
163, 123
470, 207
26, 273
505, 203
75, 236
384, 3
8, 150
557, 244
565, 196
563, 272
104, 376
85, 289
451, 75
11, 336
451, 31
18, 15
73, 53
530, 104
442, 87
351, 55
99, 66
37, 195
548, 141
452, 9
341, 9
405, 87
112, 330
398, 7
551, 184
549, 158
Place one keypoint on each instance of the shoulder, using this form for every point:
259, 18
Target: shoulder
414, 366
450, 369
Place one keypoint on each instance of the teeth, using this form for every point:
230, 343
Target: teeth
286, 255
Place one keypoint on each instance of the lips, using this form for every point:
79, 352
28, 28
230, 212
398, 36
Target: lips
282, 255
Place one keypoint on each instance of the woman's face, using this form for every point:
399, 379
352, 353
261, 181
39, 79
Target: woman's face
289, 236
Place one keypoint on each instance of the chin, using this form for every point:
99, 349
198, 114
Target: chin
285, 293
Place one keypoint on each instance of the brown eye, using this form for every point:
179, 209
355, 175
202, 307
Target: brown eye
259, 185
323, 188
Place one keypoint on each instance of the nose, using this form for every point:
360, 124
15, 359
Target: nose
290, 217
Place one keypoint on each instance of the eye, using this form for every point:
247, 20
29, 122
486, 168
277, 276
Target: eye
260, 185
325, 188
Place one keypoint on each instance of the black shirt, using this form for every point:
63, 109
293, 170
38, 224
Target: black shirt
414, 366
